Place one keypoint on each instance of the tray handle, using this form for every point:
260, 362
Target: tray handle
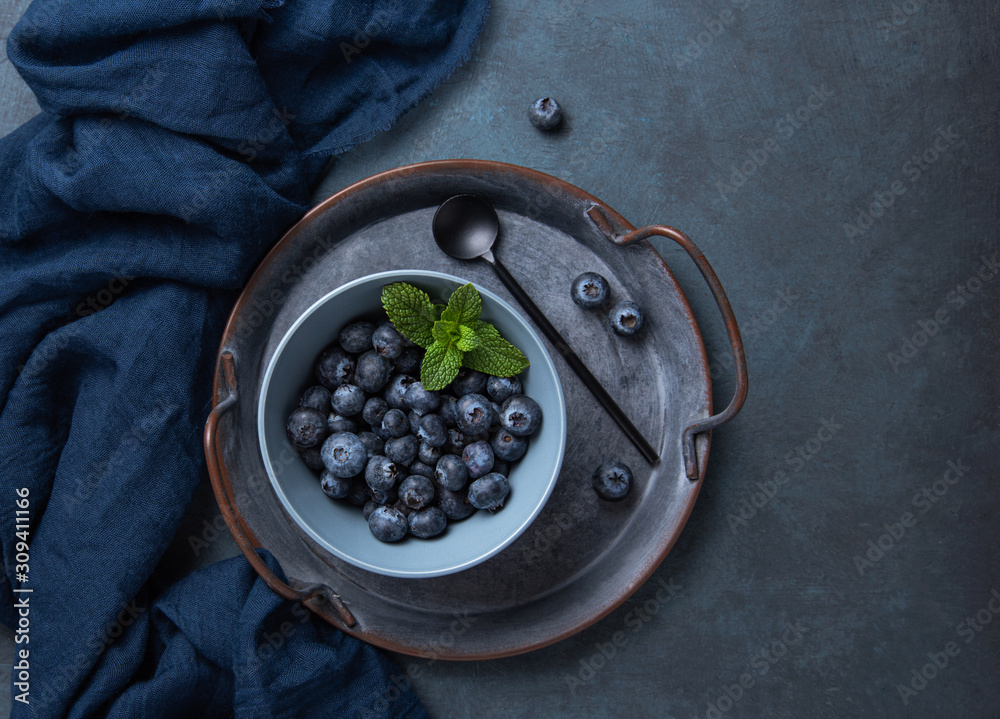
320, 598
732, 330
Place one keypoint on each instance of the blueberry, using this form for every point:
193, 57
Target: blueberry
432, 430
508, 447
427, 523
373, 445
627, 319
495, 423
489, 492
387, 341
451, 472
306, 427
612, 481
478, 458
473, 414
590, 291
500, 388
400, 506
334, 368
402, 450
381, 473
395, 392
356, 337
447, 409
424, 470
416, 491
372, 372
395, 423
414, 419
468, 381
358, 494
370, 506
421, 400
313, 458
429, 454
337, 423
344, 455
501, 466
348, 400
333, 486
384, 496
317, 397
454, 504
374, 411
456, 441
545, 113
409, 360
520, 415
387, 524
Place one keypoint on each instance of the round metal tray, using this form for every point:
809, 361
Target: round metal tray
582, 556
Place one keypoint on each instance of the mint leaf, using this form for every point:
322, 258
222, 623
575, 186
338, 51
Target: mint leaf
440, 366
494, 355
449, 314
445, 332
466, 302
467, 339
411, 312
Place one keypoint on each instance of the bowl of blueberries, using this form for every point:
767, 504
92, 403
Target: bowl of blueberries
412, 458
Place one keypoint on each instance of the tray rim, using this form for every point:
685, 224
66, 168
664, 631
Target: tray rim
458, 166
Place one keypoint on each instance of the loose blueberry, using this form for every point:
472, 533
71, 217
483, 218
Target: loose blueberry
373, 445
395, 392
432, 430
374, 411
402, 450
344, 455
500, 388
337, 423
387, 341
395, 423
454, 504
416, 491
409, 360
520, 415
478, 458
387, 524
447, 409
381, 473
358, 494
317, 397
612, 481
424, 470
545, 113
508, 447
489, 492
468, 381
627, 319
427, 523
348, 400
313, 458
370, 506
421, 400
451, 472
372, 372
590, 291
429, 454
306, 427
333, 486
356, 337
473, 414
334, 368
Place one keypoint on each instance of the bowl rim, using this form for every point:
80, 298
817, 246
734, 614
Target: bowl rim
548, 367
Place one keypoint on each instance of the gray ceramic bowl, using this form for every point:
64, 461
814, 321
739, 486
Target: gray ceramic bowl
340, 527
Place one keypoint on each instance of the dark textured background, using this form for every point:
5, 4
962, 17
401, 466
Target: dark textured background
680, 115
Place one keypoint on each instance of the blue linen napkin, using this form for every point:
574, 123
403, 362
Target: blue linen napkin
177, 140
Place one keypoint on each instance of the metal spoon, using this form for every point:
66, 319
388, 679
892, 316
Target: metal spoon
466, 227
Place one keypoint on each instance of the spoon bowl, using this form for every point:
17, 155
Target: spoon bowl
465, 226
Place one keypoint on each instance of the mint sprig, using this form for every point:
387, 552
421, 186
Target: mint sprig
453, 335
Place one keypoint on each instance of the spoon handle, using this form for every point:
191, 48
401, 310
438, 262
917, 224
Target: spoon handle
575, 363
